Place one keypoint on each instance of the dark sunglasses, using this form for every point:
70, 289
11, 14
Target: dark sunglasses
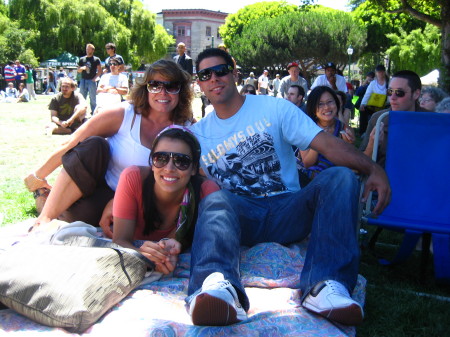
253, 92
220, 70
113, 64
398, 92
155, 87
180, 160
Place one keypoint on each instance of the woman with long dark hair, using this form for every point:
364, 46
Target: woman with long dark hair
159, 204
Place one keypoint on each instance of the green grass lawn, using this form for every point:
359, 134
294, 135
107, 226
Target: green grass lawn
393, 306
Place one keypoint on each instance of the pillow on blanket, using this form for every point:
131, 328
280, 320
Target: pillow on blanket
67, 287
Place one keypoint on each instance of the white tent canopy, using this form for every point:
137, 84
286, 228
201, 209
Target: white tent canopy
431, 78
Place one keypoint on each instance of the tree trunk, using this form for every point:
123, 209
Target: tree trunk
444, 74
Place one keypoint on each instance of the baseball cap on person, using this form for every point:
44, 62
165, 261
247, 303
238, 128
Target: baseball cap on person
118, 60
330, 65
292, 64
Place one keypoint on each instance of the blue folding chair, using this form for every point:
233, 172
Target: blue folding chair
418, 167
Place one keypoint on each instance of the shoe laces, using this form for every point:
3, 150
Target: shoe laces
337, 288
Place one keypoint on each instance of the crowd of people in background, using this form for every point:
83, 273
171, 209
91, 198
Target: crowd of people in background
302, 137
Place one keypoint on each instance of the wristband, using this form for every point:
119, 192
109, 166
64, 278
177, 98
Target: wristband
34, 175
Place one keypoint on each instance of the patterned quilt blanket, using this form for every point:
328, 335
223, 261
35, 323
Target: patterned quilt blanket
270, 273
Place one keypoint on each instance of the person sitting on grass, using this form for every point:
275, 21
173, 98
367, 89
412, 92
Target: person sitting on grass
444, 106
246, 147
67, 109
96, 154
248, 89
430, 97
158, 205
112, 86
323, 106
11, 93
344, 113
23, 95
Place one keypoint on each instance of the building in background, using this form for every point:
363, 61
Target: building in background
198, 29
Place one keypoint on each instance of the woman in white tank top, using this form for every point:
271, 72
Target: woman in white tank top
162, 97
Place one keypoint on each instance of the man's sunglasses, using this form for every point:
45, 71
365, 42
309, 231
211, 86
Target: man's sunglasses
253, 92
180, 160
398, 92
155, 87
113, 64
220, 70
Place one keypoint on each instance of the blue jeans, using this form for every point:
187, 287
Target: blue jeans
327, 209
50, 85
91, 87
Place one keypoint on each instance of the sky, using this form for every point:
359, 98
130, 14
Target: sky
227, 6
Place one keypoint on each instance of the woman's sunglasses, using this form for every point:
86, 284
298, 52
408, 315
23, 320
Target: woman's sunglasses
398, 92
155, 87
180, 160
220, 71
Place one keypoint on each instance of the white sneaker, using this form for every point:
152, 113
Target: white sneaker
217, 303
332, 300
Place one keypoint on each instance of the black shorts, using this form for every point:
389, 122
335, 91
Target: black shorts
86, 164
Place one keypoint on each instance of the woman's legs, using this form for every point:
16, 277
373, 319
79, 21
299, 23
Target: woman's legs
83, 176
63, 194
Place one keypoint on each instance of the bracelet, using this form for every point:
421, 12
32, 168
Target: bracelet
34, 175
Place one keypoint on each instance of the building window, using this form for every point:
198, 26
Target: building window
208, 31
181, 31
218, 34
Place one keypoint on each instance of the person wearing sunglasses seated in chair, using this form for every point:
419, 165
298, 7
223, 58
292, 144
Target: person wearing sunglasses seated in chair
112, 86
97, 153
404, 91
158, 205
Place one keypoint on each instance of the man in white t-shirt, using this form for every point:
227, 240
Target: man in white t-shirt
246, 145
112, 86
331, 79
263, 83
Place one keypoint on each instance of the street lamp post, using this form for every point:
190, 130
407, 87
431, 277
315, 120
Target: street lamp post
350, 53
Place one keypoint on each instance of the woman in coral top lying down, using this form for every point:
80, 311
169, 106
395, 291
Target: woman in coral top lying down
158, 205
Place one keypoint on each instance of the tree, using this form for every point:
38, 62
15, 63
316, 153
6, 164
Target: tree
434, 12
60, 25
13, 40
313, 38
418, 50
236, 23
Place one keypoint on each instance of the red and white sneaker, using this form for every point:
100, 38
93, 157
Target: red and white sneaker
217, 303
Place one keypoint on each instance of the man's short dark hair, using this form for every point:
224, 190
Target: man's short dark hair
111, 45
214, 52
300, 89
413, 79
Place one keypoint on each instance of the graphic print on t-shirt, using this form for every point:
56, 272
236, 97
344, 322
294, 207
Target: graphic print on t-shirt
253, 170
